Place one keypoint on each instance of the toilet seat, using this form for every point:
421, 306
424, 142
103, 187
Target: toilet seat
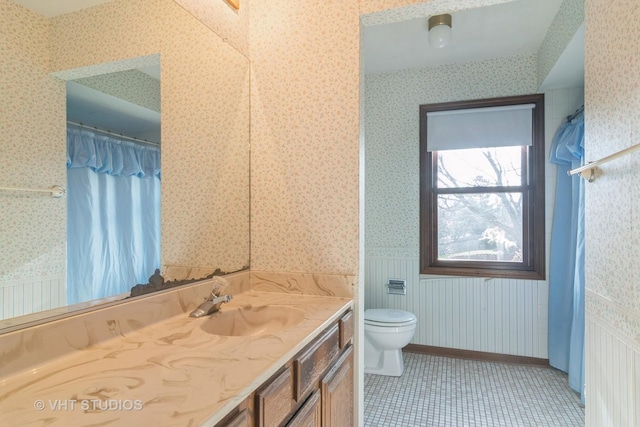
388, 317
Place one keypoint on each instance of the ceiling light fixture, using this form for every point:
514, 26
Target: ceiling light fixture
440, 30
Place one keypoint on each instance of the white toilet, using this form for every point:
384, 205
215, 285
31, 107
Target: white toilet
386, 331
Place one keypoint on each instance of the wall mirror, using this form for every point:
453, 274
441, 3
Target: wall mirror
204, 135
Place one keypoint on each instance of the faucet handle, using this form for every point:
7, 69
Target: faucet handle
225, 298
221, 299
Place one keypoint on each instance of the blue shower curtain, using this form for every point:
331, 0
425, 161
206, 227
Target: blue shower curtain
566, 270
113, 214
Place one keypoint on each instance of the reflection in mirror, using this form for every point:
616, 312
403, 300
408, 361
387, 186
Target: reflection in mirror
124, 102
113, 182
50, 50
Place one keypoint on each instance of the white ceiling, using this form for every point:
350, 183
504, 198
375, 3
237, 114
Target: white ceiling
51, 8
94, 108
516, 27
103, 111
568, 71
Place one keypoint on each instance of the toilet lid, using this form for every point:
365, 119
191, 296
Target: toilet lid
386, 315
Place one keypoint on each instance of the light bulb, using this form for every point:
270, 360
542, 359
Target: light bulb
439, 30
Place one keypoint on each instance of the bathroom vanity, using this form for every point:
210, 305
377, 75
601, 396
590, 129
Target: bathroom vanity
266, 359
315, 388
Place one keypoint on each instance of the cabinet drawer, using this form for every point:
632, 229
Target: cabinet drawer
314, 360
275, 401
346, 329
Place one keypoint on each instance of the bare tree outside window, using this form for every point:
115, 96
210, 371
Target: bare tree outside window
482, 226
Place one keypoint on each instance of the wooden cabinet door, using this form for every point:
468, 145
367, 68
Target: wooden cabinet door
243, 419
337, 392
310, 414
274, 401
315, 359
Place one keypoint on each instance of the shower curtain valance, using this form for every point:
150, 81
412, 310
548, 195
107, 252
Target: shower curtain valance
108, 155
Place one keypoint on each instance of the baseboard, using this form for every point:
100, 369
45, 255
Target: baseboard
475, 355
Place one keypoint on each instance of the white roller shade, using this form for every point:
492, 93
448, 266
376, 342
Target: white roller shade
480, 127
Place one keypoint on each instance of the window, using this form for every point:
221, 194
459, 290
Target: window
482, 188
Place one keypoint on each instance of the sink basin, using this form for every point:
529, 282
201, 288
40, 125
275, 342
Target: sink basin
252, 320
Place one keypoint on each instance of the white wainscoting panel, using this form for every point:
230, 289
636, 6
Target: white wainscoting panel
19, 297
612, 378
504, 316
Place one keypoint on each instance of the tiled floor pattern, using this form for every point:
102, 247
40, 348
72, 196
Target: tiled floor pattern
444, 392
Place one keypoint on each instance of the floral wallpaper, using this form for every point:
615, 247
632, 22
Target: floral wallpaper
32, 155
612, 123
230, 24
391, 120
304, 136
205, 132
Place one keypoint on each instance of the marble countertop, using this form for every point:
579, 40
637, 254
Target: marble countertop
171, 373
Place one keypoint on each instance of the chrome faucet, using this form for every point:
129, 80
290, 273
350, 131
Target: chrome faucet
211, 304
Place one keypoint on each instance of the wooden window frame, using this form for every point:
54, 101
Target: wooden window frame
533, 263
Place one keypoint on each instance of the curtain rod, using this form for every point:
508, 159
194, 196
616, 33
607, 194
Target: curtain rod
588, 171
141, 141
575, 114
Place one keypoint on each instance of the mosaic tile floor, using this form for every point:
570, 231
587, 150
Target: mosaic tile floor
444, 392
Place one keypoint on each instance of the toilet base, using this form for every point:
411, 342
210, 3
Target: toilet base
387, 362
